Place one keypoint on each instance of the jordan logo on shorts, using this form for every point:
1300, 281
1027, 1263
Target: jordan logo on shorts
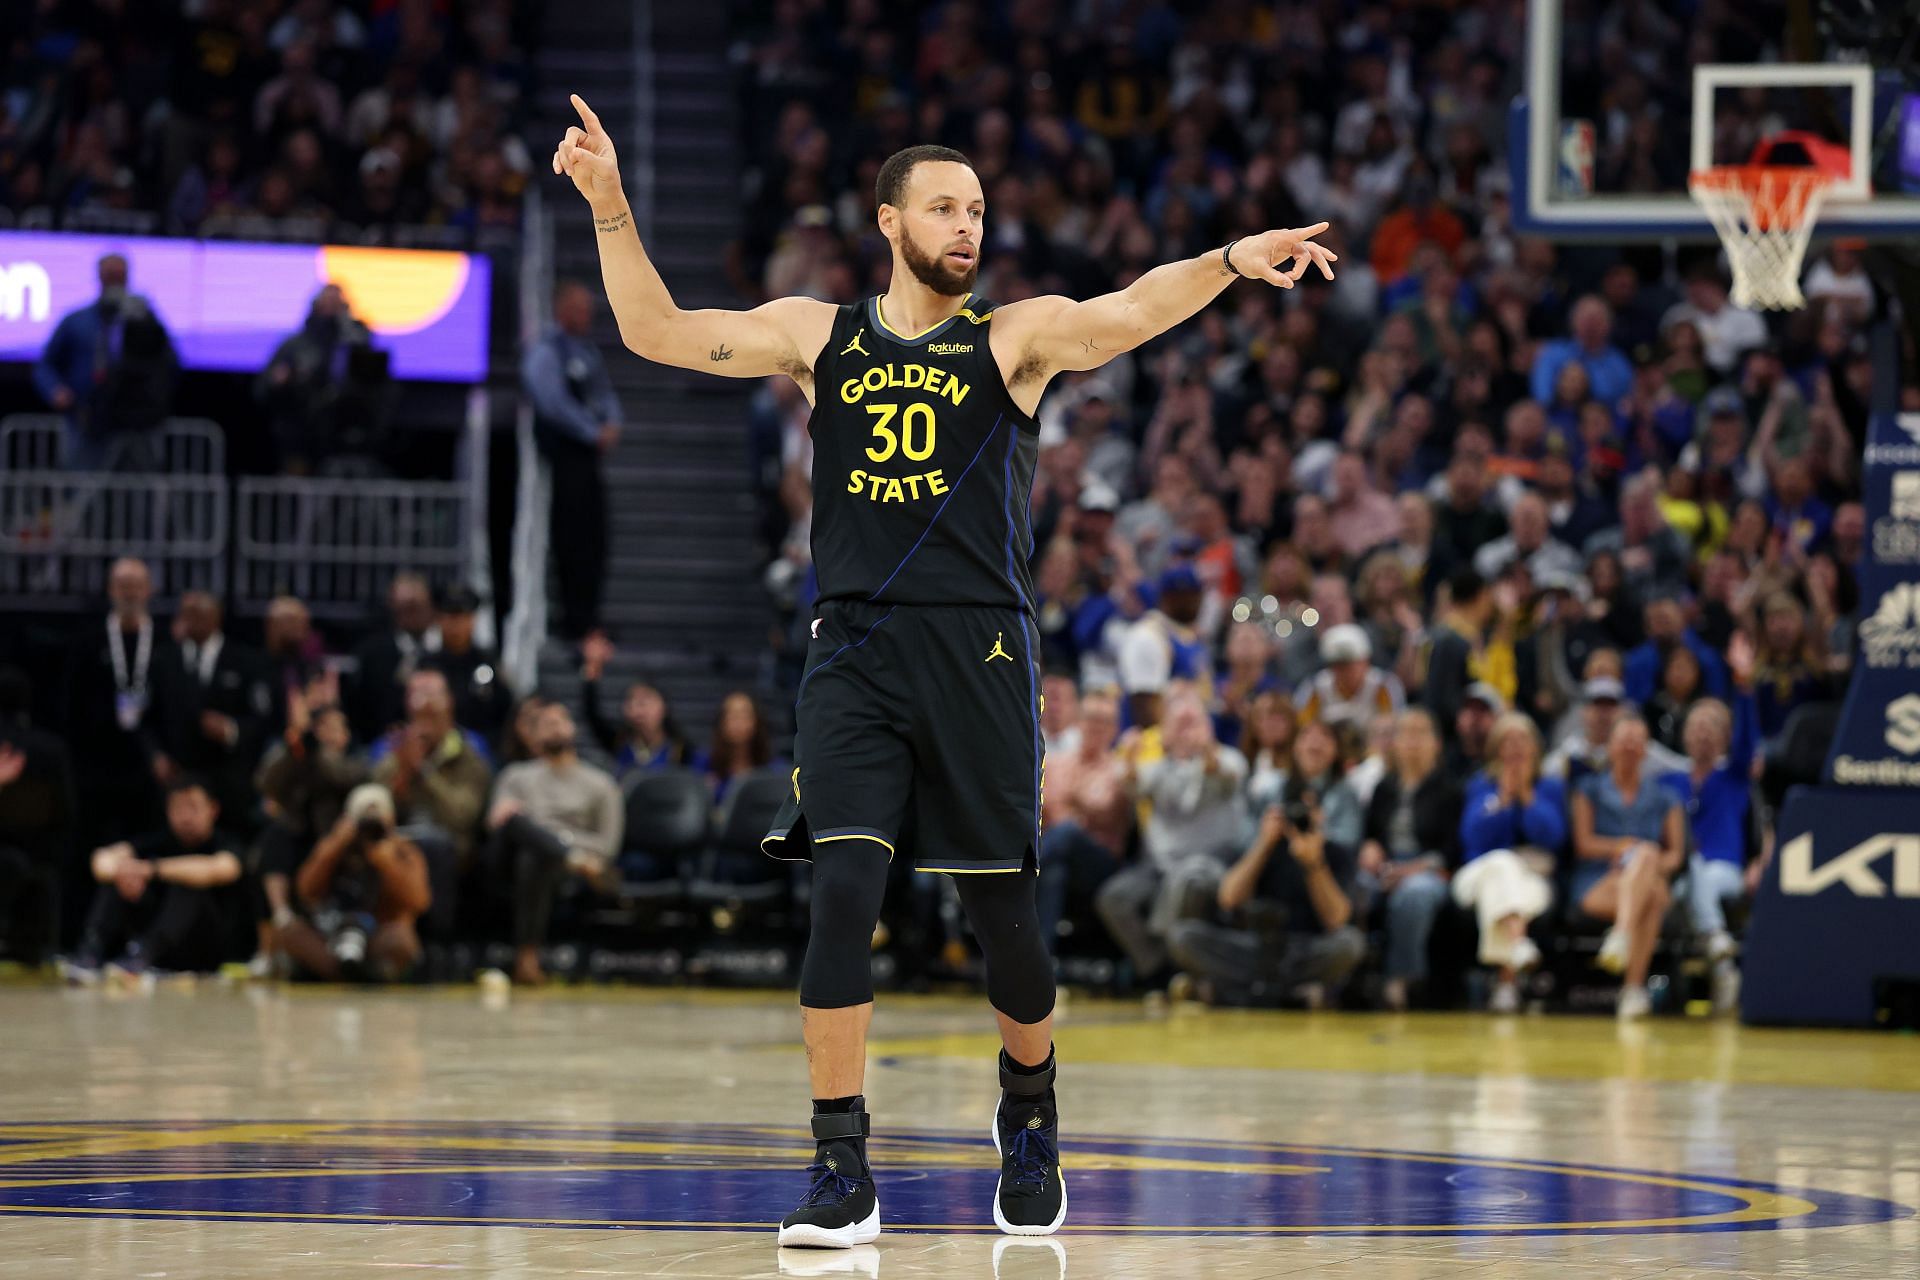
998, 651
855, 346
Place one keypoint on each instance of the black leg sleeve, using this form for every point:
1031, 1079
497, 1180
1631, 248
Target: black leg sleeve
849, 885
1002, 911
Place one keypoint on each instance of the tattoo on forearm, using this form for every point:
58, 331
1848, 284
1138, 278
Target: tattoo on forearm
720, 353
617, 222
1089, 346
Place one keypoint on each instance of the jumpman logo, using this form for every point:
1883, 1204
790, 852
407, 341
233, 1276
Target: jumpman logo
998, 651
855, 346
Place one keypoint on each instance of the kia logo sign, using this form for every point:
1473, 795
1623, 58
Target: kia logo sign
26, 293
1855, 868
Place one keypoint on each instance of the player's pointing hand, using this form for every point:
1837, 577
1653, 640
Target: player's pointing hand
586, 155
1259, 257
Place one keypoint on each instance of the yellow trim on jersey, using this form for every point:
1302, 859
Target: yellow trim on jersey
855, 835
977, 871
879, 313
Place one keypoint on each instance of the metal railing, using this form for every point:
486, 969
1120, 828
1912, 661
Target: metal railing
336, 544
60, 532
178, 446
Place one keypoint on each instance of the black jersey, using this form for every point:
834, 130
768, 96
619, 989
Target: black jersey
922, 465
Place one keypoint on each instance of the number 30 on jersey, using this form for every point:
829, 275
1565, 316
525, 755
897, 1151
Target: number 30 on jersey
909, 433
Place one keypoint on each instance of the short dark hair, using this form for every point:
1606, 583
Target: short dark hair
189, 782
1465, 585
891, 186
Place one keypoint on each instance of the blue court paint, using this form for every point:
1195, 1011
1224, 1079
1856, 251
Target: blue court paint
734, 1177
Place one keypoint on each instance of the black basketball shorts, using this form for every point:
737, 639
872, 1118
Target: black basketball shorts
918, 728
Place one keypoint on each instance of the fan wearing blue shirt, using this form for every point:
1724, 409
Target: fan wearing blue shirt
1714, 789
1609, 373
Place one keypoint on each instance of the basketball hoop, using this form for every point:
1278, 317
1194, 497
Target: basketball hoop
1764, 214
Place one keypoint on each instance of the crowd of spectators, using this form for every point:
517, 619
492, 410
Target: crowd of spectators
1463, 593
289, 119
322, 812
1482, 575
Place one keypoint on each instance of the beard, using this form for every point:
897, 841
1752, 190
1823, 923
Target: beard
937, 273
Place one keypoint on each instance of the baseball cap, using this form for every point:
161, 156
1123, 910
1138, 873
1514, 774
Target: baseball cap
1180, 577
1562, 580
1604, 689
459, 598
1724, 402
1481, 691
369, 800
1096, 496
1345, 643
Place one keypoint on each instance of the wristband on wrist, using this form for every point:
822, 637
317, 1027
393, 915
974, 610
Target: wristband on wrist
1226, 256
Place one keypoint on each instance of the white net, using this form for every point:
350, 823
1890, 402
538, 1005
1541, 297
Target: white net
1765, 216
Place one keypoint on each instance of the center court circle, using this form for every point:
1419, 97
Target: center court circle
739, 1177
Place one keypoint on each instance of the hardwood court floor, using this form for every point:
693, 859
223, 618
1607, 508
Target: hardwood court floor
257, 1132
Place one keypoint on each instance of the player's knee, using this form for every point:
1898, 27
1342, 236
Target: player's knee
1001, 909
849, 884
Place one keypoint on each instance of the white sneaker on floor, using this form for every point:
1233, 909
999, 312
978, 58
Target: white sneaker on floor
1525, 955
1505, 998
1027, 1258
1634, 1004
1393, 995
861, 1260
1720, 945
79, 974
1613, 951
1726, 986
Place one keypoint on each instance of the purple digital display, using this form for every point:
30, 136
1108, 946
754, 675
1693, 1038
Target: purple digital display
228, 305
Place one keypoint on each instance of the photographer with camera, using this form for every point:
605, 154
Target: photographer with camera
363, 888
110, 367
1290, 900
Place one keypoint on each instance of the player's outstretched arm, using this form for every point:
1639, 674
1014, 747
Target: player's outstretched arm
1057, 333
782, 336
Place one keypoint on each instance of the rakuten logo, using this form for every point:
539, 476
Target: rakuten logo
25, 292
1854, 868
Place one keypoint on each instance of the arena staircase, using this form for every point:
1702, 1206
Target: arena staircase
683, 598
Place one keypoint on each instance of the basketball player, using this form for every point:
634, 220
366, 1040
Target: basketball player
918, 713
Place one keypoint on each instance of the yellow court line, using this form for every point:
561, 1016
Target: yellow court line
276, 1175
1761, 1205
295, 1215
129, 1141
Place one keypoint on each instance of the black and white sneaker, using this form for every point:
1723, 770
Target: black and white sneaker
840, 1210
1031, 1197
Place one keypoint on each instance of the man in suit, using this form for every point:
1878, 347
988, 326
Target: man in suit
109, 716
377, 700
212, 706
